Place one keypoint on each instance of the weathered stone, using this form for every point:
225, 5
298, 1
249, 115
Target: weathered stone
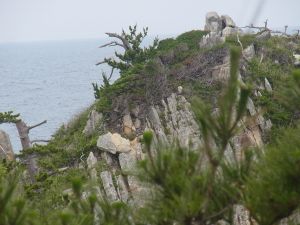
249, 52
251, 107
297, 60
157, 126
210, 40
268, 85
227, 21
127, 161
137, 123
230, 31
128, 127
108, 186
122, 190
213, 22
92, 123
221, 73
265, 35
241, 216
179, 89
292, 219
91, 164
6, 150
113, 143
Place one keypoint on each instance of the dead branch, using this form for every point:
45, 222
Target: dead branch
111, 44
111, 73
126, 44
36, 125
99, 63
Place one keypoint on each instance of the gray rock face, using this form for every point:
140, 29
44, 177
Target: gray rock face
92, 123
265, 35
210, 40
241, 216
91, 164
6, 150
221, 73
227, 21
249, 52
213, 22
108, 186
113, 143
175, 121
292, 219
229, 31
268, 86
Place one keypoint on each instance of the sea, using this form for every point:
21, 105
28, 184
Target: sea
49, 80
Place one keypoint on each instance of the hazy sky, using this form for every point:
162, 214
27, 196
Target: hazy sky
27, 20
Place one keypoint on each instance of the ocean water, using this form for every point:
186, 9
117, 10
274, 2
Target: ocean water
48, 81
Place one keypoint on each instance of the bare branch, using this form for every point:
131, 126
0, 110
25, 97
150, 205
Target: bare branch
111, 44
39, 124
111, 73
99, 63
124, 41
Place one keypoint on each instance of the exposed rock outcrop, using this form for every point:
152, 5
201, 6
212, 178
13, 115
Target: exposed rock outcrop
94, 120
6, 150
219, 28
113, 143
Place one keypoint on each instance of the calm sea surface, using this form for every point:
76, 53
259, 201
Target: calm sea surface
48, 81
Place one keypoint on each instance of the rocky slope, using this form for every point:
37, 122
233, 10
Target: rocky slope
162, 103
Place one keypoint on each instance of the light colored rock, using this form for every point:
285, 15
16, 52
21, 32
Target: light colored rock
91, 160
128, 127
230, 31
157, 125
268, 85
221, 73
251, 107
292, 219
249, 52
241, 216
137, 123
179, 89
265, 35
94, 120
108, 186
91, 164
127, 161
6, 150
210, 40
297, 60
113, 143
213, 22
227, 21
122, 190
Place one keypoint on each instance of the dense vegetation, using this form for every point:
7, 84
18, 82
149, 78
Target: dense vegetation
266, 181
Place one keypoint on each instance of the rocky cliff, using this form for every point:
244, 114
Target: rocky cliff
159, 98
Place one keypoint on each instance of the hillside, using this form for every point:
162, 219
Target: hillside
106, 147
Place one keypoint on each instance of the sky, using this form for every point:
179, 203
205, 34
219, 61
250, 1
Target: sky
36, 20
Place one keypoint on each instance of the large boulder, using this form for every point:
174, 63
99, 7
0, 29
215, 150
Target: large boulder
113, 143
6, 150
213, 22
227, 21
